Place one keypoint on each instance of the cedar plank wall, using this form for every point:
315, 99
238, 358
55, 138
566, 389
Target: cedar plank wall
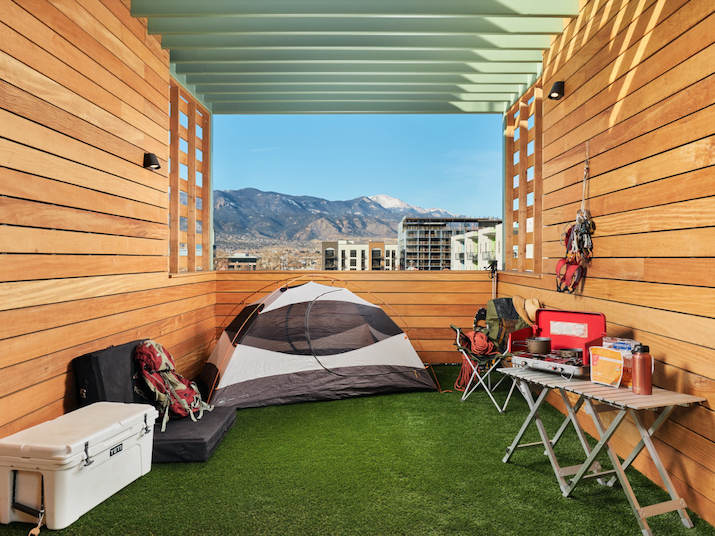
423, 304
640, 86
84, 238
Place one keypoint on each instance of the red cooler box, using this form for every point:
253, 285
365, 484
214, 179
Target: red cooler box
71, 464
566, 329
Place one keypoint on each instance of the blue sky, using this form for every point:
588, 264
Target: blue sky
451, 162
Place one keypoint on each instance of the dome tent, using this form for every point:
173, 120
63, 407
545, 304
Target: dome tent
310, 342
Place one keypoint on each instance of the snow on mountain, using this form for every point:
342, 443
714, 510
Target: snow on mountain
392, 203
387, 201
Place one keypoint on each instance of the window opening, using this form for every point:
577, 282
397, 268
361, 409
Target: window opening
523, 199
189, 176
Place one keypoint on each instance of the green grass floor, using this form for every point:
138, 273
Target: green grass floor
405, 464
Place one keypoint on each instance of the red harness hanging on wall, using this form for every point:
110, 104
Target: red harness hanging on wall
570, 269
579, 246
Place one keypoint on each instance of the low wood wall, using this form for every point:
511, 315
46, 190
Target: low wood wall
47, 323
42, 332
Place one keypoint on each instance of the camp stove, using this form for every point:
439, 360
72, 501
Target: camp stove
572, 333
566, 366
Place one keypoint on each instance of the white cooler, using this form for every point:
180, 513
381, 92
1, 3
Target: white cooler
79, 460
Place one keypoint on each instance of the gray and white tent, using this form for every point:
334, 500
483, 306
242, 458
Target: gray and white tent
311, 342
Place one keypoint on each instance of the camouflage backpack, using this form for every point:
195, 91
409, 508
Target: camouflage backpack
170, 392
500, 319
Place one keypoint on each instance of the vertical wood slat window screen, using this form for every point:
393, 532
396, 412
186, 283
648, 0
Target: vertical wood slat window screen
189, 184
523, 190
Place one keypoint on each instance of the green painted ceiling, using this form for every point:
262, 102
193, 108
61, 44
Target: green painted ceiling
356, 56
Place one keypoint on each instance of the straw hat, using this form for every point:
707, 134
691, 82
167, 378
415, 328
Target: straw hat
519, 305
531, 305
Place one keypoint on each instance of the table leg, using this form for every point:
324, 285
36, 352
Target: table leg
536, 419
639, 447
677, 503
508, 397
533, 407
603, 442
565, 424
620, 472
571, 416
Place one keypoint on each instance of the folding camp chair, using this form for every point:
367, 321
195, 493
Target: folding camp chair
481, 367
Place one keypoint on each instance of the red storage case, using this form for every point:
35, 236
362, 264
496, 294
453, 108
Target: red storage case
566, 329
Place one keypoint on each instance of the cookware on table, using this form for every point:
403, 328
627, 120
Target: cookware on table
571, 352
538, 345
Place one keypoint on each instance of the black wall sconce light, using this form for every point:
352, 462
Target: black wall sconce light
557, 91
151, 161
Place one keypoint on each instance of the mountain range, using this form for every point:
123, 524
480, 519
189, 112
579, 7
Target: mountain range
253, 218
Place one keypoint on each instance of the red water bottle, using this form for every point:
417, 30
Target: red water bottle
642, 370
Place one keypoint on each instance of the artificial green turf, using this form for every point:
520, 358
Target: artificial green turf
405, 464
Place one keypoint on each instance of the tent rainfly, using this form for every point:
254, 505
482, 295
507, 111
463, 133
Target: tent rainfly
310, 342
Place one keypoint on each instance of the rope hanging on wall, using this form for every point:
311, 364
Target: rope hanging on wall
576, 238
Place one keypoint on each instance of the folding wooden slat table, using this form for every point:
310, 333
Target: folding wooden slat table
621, 400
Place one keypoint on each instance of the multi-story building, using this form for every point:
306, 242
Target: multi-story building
347, 255
474, 250
236, 261
465, 250
426, 243
491, 247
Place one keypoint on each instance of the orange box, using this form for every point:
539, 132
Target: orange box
606, 366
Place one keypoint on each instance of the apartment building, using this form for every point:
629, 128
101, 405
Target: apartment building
236, 261
426, 243
465, 251
348, 255
474, 250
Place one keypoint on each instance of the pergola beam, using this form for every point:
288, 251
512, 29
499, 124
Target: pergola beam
366, 68
361, 107
357, 97
354, 25
347, 41
343, 55
247, 8
357, 78
306, 88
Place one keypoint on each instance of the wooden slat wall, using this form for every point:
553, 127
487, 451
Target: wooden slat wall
84, 93
424, 304
640, 90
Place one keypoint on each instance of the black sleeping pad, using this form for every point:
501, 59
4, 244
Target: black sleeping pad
188, 441
107, 375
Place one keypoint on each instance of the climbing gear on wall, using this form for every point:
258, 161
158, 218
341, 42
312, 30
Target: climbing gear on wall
576, 238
